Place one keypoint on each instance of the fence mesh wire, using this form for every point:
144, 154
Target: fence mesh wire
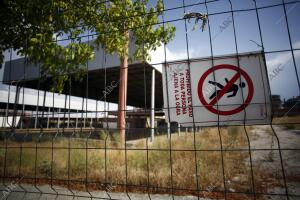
68, 146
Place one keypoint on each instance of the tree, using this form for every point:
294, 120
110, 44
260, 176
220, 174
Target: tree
116, 23
32, 27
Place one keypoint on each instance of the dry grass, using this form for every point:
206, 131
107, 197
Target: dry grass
287, 119
47, 159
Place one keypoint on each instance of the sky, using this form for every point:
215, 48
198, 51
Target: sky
274, 31
275, 37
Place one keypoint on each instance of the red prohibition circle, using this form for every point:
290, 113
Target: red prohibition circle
241, 73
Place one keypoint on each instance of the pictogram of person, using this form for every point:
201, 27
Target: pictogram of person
234, 88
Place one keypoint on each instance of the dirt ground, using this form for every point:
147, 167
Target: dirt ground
269, 161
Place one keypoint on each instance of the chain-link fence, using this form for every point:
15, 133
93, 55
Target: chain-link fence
68, 145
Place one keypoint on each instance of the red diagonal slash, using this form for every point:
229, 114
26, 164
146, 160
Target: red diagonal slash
224, 90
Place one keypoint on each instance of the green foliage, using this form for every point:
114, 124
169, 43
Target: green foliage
115, 137
40, 138
45, 167
32, 27
292, 126
2, 153
127, 18
233, 132
103, 134
78, 161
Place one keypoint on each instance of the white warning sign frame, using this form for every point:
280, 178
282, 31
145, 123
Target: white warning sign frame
228, 90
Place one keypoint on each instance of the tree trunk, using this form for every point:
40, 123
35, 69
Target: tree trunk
123, 95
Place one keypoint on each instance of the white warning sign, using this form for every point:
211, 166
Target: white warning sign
225, 91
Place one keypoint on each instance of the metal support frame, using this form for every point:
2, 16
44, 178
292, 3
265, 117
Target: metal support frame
48, 117
76, 123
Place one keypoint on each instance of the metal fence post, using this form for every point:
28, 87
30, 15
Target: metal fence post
169, 131
152, 117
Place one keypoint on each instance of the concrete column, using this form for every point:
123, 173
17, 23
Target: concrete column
83, 121
4, 118
169, 129
35, 119
48, 117
91, 124
23, 112
68, 125
69, 112
76, 123
179, 133
152, 117
58, 118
